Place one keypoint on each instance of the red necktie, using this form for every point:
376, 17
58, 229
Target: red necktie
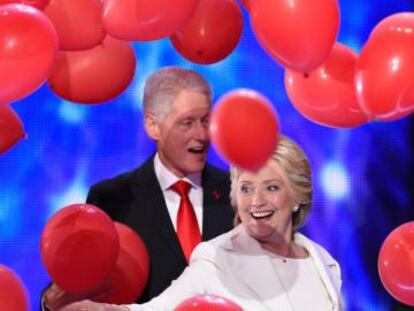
187, 226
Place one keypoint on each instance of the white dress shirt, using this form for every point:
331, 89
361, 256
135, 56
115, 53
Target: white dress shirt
166, 178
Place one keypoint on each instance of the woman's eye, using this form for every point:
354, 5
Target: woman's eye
246, 189
272, 187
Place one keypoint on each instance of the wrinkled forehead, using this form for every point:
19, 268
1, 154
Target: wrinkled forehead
190, 102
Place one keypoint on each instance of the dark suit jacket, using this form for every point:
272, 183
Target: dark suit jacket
136, 199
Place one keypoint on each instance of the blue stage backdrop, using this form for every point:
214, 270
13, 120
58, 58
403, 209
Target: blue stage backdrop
361, 176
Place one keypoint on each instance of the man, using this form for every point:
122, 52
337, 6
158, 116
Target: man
177, 104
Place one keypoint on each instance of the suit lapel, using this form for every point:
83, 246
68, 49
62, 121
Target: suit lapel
216, 206
153, 206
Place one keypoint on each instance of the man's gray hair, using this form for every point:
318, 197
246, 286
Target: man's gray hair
163, 86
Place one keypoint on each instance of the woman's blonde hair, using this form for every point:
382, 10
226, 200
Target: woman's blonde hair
296, 167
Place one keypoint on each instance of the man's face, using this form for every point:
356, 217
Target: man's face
182, 136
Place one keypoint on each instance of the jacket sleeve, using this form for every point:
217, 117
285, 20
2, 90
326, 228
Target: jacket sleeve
193, 281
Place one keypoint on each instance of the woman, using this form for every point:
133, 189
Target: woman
263, 263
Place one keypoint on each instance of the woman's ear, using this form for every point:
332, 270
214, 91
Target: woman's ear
151, 126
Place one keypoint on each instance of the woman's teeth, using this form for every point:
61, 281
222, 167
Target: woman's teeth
262, 214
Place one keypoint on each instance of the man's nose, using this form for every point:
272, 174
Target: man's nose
201, 131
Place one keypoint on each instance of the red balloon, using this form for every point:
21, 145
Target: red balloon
396, 263
13, 294
212, 33
130, 276
79, 246
244, 128
76, 74
246, 4
78, 23
208, 303
297, 34
40, 4
326, 95
11, 128
144, 20
28, 44
385, 69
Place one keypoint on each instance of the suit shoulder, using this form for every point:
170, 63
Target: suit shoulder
113, 194
115, 183
216, 172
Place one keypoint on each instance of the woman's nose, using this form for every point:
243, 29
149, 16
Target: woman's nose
258, 198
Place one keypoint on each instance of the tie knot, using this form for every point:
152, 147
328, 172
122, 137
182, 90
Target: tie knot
181, 187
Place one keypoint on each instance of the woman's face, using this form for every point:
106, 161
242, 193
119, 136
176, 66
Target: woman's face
265, 202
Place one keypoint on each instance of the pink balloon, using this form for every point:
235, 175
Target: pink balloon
244, 128
78, 23
207, 303
326, 95
96, 75
13, 293
144, 20
212, 33
297, 34
40, 4
11, 128
396, 263
79, 246
385, 69
28, 45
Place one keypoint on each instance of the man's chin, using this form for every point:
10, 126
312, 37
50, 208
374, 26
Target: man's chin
195, 167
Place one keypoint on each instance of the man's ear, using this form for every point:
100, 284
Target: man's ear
151, 126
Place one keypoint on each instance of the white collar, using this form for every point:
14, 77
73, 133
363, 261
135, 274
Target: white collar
167, 178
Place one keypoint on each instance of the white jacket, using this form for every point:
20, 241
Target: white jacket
235, 266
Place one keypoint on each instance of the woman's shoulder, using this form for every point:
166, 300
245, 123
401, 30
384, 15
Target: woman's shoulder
312, 246
208, 249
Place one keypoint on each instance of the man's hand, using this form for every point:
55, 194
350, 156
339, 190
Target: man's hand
87, 305
55, 298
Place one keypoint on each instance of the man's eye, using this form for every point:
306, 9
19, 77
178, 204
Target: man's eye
186, 123
205, 122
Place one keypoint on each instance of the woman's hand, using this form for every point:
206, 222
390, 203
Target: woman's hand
88, 305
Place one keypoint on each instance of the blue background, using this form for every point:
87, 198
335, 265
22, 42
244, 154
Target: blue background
361, 176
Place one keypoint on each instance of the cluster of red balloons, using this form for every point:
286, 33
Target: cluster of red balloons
88, 53
396, 263
326, 81
13, 293
207, 303
244, 128
74, 43
85, 252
